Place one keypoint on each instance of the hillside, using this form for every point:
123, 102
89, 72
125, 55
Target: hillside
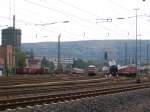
91, 49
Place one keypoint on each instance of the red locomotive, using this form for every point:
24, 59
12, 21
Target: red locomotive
91, 70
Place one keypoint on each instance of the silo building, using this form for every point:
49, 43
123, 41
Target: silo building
11, 36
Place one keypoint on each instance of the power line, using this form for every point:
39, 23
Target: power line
120, 6
31, 13
65, 13
71, 5
35, 25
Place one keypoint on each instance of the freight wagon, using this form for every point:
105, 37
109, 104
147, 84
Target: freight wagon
128, 71
77, 71
28, 70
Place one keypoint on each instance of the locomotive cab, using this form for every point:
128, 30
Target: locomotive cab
91, 70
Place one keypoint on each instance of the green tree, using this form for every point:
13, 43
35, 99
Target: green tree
31, 54
79, 63
20, 58
91, 62
46, 63
51, 66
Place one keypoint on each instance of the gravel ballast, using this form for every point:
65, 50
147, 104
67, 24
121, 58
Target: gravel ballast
132, 101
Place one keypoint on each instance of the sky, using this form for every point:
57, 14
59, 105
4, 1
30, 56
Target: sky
44, 20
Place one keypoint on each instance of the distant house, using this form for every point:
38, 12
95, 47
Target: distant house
66, 63
34, 63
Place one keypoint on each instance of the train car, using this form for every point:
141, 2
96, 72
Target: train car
129, 71
29, 70
77, 71
91, 70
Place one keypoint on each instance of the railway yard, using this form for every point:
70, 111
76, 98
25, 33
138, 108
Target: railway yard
29, 91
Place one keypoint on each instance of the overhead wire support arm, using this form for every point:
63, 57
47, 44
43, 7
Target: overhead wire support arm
104, 20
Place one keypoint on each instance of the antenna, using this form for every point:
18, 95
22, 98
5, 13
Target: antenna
14, 6
14, 21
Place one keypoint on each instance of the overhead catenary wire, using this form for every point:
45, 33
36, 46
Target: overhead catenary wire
29, 23
80, 9
86, 25
101, 25
36, 24
69, 33
120, 6
92, 14
67, 14
83, 25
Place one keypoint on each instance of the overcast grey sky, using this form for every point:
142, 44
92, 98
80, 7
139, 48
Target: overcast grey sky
36, 17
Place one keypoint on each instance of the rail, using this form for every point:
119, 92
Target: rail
26, 101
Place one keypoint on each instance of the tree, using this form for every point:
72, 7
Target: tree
46, 63
79, 63
51, 66
91, 62
31, 54
20, 58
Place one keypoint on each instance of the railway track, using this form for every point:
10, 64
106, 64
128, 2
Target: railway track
16, 80
52, 88
29, 101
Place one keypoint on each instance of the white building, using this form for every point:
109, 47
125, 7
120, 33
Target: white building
66, 63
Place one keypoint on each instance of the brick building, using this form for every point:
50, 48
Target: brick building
7, 60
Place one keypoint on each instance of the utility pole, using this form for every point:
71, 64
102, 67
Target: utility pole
125, 53
14, 49
58, 53
147, 55
140, 52
58, 64
138, 80
136, 38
